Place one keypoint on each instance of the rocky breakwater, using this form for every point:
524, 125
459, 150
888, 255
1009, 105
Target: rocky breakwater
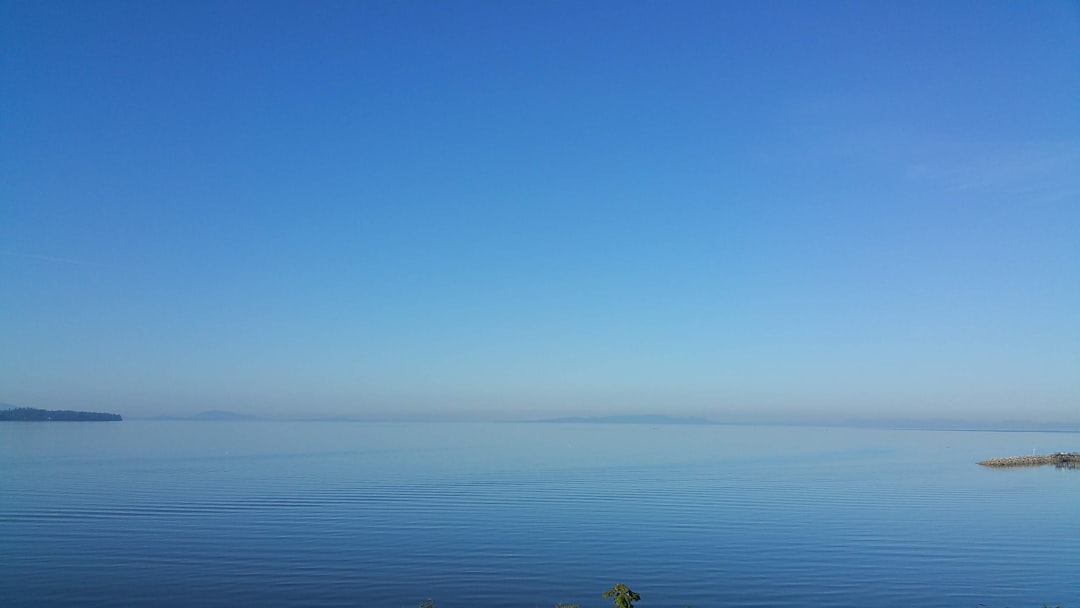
1069, 460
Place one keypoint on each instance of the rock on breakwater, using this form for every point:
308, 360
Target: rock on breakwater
1070, 459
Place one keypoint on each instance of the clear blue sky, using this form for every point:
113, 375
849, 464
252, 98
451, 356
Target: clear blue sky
520, 209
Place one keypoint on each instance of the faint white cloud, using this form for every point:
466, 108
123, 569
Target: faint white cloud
1037, 171
875, 131
47, 258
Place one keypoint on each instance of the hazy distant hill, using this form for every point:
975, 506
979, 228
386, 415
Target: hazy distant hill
220, 415
876, 423
29, 414
951, 424
639, 419
212, 415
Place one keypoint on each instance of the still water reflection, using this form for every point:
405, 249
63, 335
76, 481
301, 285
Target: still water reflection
347, 514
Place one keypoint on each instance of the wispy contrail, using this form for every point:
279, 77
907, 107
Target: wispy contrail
48, 258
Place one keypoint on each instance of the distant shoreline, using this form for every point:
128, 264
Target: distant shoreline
29, 414
931, 424
870, 424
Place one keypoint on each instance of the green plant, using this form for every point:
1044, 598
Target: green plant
622, 596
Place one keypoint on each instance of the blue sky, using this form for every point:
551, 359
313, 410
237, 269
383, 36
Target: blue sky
761, 210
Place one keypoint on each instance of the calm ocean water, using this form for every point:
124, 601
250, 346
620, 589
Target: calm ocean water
271, 514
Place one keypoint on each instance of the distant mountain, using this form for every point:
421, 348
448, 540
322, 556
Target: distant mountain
936, 424
211, 415
29, 414
220, 415
638, 419
950, 424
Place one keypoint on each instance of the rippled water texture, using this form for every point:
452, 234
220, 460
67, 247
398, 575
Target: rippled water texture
269, 514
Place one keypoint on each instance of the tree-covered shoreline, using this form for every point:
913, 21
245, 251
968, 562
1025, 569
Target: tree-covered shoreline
29, 414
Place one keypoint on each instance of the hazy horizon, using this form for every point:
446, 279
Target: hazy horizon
490, 210
759, 418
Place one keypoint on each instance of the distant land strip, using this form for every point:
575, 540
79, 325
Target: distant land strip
631, 419
1064, 459
913, 424
29, 414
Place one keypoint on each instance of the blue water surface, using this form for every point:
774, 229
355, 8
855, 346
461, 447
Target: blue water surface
275, 514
